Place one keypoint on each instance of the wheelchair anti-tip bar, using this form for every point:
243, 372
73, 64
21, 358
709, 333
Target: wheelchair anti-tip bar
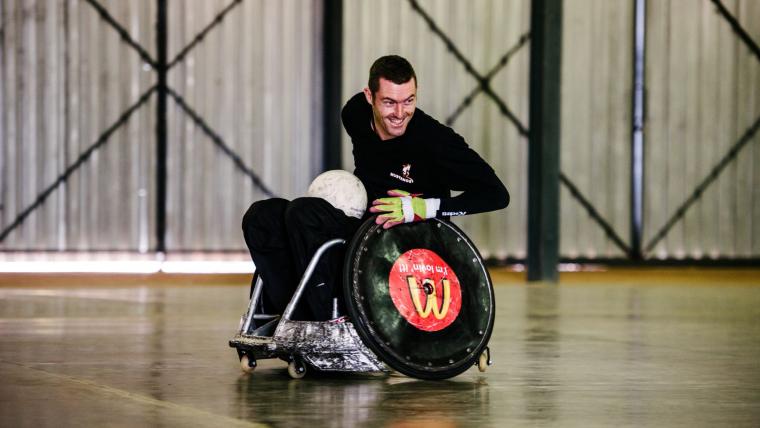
307, 275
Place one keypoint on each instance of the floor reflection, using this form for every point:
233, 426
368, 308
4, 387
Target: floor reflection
541, 347
358, 400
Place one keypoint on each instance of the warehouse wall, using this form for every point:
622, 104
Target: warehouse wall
704, 94
66, 76
255, 79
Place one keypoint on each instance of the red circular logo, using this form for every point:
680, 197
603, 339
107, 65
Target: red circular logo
425, 290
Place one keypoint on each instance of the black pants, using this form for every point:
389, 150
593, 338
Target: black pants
282, 236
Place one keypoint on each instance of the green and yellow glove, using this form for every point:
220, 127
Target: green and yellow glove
403, 207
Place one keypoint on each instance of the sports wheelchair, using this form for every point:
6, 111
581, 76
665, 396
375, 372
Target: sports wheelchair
418, 300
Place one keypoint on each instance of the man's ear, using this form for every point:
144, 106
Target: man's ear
368, 95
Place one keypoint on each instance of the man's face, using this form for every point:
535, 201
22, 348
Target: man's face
392, 107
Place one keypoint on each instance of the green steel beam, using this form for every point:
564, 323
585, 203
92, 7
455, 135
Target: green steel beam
544, 134
333, 76
162, 37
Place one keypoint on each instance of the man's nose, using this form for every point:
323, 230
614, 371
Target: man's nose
399, 110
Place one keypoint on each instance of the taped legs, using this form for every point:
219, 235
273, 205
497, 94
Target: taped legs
282, 236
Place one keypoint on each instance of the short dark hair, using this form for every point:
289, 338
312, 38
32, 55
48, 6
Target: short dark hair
390, 67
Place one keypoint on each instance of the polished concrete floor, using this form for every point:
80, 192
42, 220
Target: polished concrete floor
586, 353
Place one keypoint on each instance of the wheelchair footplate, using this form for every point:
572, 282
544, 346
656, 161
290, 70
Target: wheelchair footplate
321, 346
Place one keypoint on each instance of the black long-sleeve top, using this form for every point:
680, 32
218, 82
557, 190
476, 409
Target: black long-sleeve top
429, 158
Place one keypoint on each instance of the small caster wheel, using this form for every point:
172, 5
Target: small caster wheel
296, 369
484, 360
247, 363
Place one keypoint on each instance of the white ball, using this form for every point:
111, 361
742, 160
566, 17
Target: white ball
342, 190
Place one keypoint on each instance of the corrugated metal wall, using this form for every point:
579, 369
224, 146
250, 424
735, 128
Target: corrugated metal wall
66, 76
255, 79
703, 94
483, 31
596, 124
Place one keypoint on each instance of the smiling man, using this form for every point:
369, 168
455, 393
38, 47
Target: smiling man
393, 106
409, 162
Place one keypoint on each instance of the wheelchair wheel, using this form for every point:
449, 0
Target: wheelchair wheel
419, 297
247, 363
296, 369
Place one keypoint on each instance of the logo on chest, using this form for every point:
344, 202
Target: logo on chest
406, 175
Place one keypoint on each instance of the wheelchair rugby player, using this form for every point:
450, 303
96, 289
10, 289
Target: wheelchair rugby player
341, 288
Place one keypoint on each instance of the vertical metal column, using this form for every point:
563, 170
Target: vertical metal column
333, 75
543, 153
161, 126
637, 142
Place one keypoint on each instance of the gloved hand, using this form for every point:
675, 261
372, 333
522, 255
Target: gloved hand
403, 207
